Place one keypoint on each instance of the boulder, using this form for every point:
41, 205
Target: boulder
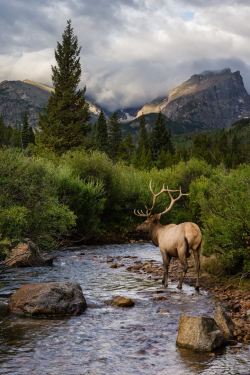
199, 333
122, 302
47, 299
26, 255
224, 321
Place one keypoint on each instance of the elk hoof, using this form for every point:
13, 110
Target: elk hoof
197, 288
179, 286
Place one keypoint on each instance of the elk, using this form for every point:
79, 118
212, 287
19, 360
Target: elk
174, 241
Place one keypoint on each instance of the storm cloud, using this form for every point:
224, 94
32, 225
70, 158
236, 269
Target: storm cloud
132, 50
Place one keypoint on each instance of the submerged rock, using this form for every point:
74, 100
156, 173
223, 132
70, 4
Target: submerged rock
26, 255
224, 321
122, 302
55, 298
199, 333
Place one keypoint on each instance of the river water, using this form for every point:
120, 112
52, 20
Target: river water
106, 340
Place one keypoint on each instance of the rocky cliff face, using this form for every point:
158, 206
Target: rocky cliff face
211, 100
16, 97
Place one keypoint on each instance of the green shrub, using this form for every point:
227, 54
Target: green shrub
225, 213
29, 207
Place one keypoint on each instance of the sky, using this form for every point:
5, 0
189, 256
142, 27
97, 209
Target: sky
133, 51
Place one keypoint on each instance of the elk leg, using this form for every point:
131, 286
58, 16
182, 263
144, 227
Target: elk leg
197, 266
184, 264
166, 260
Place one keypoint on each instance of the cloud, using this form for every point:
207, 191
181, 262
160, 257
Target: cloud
132, 50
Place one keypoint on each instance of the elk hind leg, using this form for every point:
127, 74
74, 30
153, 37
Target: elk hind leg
183, 252
197, 266
166, 260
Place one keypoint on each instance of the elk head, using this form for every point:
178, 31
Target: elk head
153, 219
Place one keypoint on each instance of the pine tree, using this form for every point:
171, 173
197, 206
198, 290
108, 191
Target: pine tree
143, 136
102, 133
162, 161
2, 131
114, 136
25, 135
127, 148
31, 135
17, 136
65, 121
94, 134
159, 138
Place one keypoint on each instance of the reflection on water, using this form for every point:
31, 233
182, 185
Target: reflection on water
107, 340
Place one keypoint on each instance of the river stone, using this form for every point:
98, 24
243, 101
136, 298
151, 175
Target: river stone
26, 255
224, 321
199, 333
122, 302
46, 299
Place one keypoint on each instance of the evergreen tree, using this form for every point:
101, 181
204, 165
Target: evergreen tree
114, 136
31, 135
127, 148
143, 136
2, 131
162, 161
94, 134
159, 138
25, 135
65, 121
17, 136
102, 133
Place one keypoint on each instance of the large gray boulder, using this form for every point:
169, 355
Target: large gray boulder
48, 299
199, 333
224, 321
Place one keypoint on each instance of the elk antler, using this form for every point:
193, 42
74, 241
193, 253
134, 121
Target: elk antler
150, 211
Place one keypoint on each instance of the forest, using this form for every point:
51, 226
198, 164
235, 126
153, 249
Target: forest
68, 183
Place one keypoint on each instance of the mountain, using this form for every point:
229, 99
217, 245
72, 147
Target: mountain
209, 100
16, 97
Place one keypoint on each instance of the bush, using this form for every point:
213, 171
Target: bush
225, 213
85, 199
29, 206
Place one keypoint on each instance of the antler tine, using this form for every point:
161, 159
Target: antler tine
172, 199
138, 213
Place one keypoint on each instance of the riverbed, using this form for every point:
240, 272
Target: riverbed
106, 340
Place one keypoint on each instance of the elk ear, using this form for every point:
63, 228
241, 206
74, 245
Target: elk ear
158, 216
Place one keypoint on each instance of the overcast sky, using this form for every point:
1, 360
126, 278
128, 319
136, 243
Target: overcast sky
132, 50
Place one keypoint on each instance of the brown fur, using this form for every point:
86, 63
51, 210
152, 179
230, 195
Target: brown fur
175, 241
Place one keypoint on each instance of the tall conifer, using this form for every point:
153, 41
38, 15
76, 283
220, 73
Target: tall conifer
2, 131
102, 133
159, 138
114, 136
65, 121
25, 135
143, 136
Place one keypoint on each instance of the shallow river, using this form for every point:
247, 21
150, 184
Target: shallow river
107, 340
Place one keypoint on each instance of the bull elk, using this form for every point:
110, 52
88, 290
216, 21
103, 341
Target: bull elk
174, 241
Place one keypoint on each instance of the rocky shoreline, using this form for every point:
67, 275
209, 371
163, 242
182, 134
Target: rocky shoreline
233, 298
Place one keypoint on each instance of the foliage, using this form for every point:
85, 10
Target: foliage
29, 206
101, 136
114, 136
126, 149
65, 121
85, 199
160, 138
25, 133
224, 201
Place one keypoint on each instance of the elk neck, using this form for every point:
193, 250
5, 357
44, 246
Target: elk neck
154, 231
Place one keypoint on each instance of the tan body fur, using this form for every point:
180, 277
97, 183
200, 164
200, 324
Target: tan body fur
175, 241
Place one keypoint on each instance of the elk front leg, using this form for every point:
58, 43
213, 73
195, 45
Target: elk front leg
166, 260
197, 266
184, 264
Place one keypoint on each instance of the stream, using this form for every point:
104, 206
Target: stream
105, 340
